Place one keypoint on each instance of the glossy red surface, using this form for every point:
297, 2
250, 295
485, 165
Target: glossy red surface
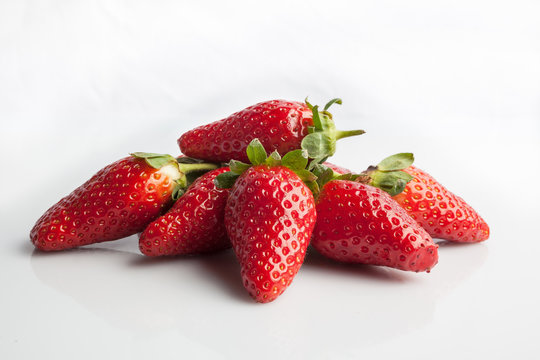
270, 216
443, 214
120, 200
358, 223
195, 224
279, 125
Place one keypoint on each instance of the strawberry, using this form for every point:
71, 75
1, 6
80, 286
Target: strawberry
269, 217
195, 223
118, 201
358, 223
279, 124
443, 214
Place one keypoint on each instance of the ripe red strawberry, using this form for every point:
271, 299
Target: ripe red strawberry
269, 216
118, 201
279, 125
195, 223
443, 214
358, 223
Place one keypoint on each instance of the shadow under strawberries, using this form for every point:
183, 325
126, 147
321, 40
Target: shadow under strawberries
199, 297
220, 267
224, 269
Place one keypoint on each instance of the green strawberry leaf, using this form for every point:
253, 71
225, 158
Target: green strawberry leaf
396, 162
316, 118
308, 104
313, 186
319, 160
327, 124
238, 167
319, 169
256, 152
324, 174
348, 133
349, 176
318, 145
403, 176
178, 191
331, 102
157, 161
305, 175
393, 182
226, 180
388, 175
145, 155
295, 160
274, 159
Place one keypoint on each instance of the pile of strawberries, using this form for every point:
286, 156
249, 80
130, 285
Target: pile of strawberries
258, 181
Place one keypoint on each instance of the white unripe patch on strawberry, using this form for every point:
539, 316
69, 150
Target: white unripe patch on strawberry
171, 171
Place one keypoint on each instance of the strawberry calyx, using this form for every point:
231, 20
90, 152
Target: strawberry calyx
183, 170
325, 174
388, 174
157, 161
296, 160
320, 143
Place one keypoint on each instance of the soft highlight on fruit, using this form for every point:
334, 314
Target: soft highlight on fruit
358, 223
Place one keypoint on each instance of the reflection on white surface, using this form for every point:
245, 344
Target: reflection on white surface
196, 296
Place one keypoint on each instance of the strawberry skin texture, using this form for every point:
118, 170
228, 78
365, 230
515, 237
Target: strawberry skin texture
279, 125
270, 216
443, 214
195, 223
118, 201
358, 223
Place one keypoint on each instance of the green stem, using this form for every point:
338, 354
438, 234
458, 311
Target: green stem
347, 133
189, 168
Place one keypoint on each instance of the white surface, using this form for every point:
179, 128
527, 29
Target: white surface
456, 82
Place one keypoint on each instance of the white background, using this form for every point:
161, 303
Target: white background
83, 83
